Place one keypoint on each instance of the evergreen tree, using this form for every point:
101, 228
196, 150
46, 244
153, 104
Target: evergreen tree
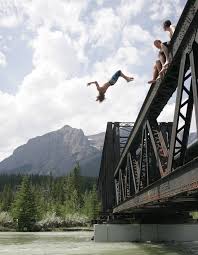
24, 207
6, 198
37, 195
41, 204
92, 205
73, 199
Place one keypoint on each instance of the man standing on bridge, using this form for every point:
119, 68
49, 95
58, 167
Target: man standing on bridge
102, 90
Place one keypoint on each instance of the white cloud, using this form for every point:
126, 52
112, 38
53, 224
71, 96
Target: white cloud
129, 55
168, 113
100, 2
9, 21
55, 51
11, 14
64, 15
133, 34
122, 59
128, 9
7, 117
161, 10
60, 34
3, 61
105, 29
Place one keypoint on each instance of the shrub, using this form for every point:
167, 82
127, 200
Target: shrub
74, 220
50, 220
6, 219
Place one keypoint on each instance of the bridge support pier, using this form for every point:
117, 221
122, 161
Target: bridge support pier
145, 232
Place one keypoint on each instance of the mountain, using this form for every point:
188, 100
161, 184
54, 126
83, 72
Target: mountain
57, 152
97, 140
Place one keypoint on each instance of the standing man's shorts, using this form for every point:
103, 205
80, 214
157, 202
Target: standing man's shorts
115, 77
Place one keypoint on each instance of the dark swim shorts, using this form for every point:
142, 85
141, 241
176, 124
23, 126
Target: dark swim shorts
114, 78
167, 44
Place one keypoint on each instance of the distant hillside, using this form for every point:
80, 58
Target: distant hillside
57, 153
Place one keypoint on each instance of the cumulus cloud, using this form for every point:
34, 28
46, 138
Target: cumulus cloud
160, 9
55, 51
3, 61
133, 34
64, 15
105, 28
11, 14
127, 9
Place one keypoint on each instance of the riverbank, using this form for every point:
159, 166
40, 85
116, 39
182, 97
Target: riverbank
61, 229
50, 222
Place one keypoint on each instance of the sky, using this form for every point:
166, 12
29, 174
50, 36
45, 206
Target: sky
49, 50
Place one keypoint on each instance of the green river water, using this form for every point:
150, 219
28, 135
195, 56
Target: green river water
75, 243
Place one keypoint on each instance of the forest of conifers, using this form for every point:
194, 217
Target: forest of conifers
40, 202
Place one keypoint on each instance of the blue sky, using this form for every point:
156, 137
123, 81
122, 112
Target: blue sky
49, 50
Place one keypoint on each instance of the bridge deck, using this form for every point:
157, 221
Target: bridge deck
184, 179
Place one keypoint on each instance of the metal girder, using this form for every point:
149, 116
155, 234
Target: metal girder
134, 167
177, 114
133, 175
186, 128
117, 190
182, 180
159, 146
121, 186
143, 176
140, 168
109, 190
194, 72
126, 182
187, 21
179, 140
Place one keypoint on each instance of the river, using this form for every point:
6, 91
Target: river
77, 243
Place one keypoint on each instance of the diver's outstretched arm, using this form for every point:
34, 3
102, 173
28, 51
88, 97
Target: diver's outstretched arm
93, 82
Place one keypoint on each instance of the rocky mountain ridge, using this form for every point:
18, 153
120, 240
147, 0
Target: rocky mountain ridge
57, 152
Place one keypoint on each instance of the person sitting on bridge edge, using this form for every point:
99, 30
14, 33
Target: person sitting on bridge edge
164, 60
168, 27
160, 63
102, 90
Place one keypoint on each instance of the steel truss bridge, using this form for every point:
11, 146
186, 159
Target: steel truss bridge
147, 166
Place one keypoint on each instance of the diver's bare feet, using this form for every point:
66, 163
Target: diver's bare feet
129, 79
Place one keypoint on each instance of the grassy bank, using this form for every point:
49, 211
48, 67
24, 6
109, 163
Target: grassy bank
50, 222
